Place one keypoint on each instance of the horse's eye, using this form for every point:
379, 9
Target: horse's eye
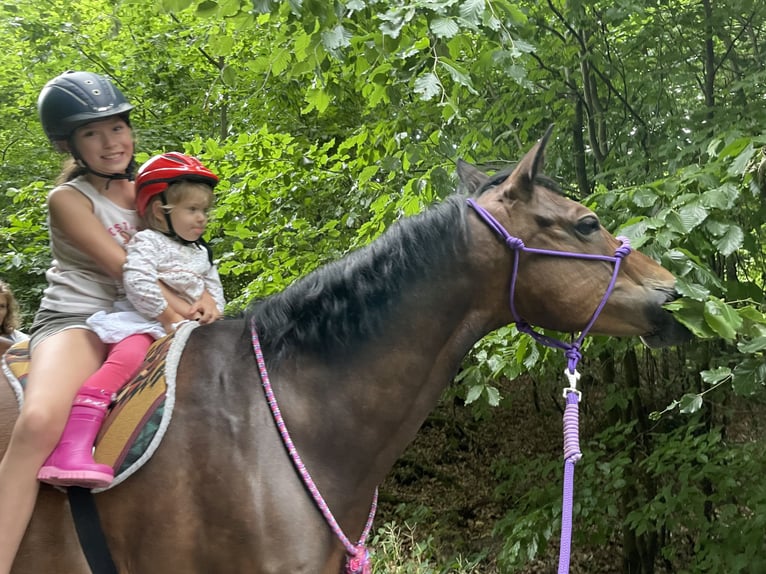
587, 225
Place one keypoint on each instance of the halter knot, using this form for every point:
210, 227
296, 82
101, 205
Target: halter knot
359, 562
514, 242
573, 355
624, 249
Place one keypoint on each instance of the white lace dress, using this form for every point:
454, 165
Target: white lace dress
153, 257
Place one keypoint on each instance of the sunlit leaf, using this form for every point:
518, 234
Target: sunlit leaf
715, 376
444, 27
691, 216
691, 290
731, 240
336, 38
493, 396
473, 393
472, 11
752, 346
428, 86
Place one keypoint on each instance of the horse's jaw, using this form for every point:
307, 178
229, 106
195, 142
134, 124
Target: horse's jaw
672, 333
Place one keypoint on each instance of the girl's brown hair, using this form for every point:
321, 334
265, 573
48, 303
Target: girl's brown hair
12, 319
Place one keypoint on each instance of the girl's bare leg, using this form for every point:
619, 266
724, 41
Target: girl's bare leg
53, 380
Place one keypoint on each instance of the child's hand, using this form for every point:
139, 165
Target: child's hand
205, 310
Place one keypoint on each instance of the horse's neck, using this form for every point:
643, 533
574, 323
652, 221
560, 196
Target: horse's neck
368, 407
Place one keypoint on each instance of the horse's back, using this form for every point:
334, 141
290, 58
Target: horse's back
219, 494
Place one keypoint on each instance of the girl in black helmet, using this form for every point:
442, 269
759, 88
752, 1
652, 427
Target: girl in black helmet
91, 217
76, 99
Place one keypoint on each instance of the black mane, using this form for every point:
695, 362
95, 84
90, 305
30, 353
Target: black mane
344, 303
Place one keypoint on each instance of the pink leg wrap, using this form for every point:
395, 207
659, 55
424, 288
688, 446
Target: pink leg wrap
122, 363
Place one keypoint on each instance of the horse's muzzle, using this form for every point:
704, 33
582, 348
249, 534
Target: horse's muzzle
667, 331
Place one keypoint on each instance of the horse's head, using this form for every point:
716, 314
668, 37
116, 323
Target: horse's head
561, 292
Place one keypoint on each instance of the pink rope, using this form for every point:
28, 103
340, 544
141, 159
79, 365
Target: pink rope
357, 555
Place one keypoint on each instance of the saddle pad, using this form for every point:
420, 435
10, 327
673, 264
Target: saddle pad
141, 412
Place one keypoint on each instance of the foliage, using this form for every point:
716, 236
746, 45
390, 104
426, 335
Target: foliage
399, 550
709, 520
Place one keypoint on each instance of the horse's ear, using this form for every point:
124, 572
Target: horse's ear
470, 177
523, 177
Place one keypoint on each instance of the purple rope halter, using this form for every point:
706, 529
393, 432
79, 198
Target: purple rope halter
572, 351
357, 555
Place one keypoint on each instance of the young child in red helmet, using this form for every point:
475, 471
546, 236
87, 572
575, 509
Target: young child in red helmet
180, 262
173, 194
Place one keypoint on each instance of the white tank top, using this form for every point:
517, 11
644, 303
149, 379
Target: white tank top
76, 283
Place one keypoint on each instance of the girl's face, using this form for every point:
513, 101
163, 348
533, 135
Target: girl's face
106, 145
189, 216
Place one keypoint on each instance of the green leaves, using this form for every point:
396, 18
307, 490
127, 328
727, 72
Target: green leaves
722, 319
715, 318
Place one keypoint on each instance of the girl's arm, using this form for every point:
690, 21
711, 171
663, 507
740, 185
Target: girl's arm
72, 212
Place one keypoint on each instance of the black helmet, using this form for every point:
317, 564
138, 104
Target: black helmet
74, 99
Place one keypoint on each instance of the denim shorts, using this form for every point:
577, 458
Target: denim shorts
47, 323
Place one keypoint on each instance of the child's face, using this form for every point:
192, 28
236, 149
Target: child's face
189, 216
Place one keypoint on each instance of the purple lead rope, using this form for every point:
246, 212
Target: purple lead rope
572, 350
571, 455
357, 555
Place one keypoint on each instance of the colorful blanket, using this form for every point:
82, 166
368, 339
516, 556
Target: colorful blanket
141, 412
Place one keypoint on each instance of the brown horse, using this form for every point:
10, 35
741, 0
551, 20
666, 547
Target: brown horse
359, 352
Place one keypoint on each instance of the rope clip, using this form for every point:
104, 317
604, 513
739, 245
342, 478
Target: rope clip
572, 388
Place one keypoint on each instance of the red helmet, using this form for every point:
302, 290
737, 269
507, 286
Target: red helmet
158, 172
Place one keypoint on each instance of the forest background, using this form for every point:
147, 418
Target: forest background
329, 120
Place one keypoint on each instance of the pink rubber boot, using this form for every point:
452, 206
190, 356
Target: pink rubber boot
71, 462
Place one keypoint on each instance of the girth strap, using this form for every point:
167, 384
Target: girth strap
89, 531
